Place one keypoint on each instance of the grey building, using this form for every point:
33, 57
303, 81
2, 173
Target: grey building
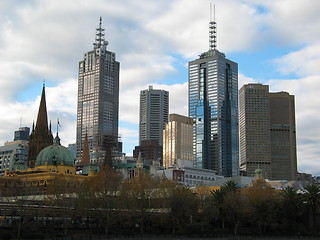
213, 105
22, 134
98, 96
267, 132
154, 113
14, 155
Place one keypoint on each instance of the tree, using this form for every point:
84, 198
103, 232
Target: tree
230, 186
58, 197
104, 190
136, 195
262, 205
216, 205
183, 206
291, 205
21, 195
232, 204
203, 192
312, 197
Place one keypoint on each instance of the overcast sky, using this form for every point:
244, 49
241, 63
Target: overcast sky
275, 42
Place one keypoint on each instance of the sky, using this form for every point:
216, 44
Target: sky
274, 42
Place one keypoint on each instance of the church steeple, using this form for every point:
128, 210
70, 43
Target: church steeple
42, 119
41, 135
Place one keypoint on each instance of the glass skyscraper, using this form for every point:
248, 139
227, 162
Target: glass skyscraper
98, 95
213, 105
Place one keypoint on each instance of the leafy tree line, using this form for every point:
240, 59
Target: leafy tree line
108, 205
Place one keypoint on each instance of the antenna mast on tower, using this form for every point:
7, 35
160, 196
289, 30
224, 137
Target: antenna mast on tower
212, 29
99, 41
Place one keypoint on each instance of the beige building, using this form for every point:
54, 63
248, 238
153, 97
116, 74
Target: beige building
177, 140
267, 132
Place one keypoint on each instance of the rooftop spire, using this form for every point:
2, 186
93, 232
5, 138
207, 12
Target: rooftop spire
58, 125
212, 29
42, 119
99, 41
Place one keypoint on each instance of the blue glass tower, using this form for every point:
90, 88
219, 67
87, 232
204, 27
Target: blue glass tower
213, 105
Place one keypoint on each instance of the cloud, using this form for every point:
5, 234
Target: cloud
242, 80
304, 62
185, 26
293, 22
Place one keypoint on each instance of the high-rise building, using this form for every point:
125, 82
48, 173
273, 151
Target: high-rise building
150, 150
283, 136
267, 132
254, 121
177, 140
98, 96
154, 112
41, 135
22, 134
213, 105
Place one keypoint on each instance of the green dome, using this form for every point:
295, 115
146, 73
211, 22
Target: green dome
55, 155
92, 167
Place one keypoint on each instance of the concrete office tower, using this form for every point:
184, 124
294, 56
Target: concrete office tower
213, 105
254, 121
98, 96
14, 155
283, 136
22, 134
267, 132
177, 140
154, 110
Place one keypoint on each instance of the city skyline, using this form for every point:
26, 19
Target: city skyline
154, 49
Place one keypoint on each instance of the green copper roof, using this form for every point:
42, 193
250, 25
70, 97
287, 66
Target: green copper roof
92, 167
55, 155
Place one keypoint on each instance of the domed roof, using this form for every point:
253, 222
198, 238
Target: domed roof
55, 155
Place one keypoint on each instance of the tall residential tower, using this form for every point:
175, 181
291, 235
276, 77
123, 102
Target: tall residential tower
154, 113
213, 105
98, 95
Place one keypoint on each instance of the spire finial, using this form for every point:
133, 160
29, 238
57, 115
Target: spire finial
58, 125
212, 29
99, 41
